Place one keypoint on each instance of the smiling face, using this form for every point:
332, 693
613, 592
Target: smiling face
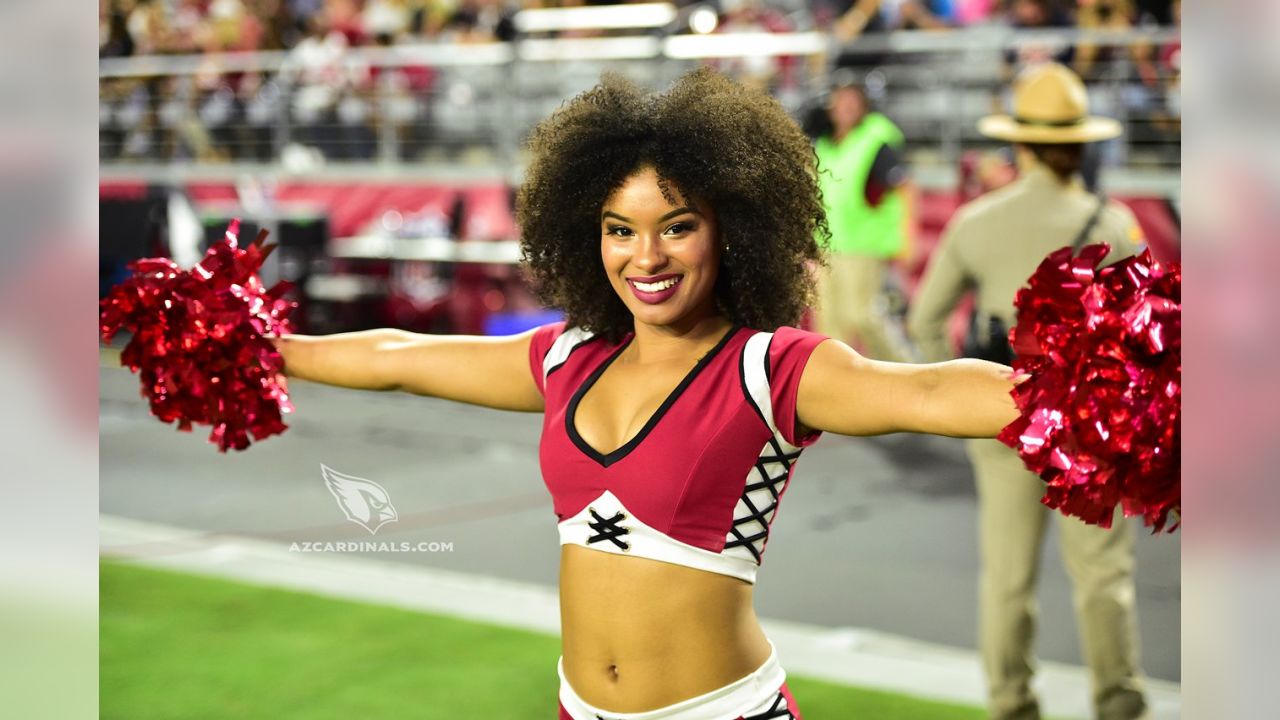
662, 256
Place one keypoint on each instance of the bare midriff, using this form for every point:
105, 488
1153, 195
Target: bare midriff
641, 634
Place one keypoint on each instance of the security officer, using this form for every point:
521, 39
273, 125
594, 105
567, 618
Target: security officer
868, 200
991, 246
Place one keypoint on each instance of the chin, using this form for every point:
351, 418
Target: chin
650, 314
666, 317
657, 316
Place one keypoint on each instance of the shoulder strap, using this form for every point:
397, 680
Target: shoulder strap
566, 343
1088, 226
755, 376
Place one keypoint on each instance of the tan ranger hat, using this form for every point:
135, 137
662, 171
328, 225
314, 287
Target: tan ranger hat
1050, 105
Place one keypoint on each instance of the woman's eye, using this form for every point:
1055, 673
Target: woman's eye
676, 229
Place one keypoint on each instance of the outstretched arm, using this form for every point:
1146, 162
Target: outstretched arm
488, 371
844, 392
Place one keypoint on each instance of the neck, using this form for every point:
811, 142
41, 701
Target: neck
660, 343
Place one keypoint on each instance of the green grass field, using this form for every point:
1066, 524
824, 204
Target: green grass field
181, 646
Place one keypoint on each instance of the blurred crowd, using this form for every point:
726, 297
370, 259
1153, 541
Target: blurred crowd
148, 27
336, 105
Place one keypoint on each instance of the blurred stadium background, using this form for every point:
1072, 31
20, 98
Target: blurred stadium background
380, 143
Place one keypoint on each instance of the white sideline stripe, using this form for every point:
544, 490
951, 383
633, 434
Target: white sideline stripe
339, 575
852, 656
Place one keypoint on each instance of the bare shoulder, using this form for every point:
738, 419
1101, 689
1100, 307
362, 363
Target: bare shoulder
845, 392
833, 360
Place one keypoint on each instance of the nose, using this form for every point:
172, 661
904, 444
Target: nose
649, 254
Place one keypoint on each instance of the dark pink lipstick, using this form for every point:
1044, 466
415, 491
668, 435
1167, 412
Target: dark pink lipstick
654, 297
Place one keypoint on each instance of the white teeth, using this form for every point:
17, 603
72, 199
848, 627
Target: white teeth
655, 287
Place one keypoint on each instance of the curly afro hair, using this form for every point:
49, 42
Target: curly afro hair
710, 138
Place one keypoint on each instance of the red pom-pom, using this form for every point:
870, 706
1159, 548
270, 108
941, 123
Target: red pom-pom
200, 340
1101, 409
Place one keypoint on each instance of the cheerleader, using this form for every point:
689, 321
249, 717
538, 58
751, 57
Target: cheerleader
679, 233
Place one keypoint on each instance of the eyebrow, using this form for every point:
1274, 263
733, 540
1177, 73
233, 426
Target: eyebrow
668, 216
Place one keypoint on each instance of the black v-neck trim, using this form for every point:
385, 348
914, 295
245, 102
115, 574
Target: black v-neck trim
607, 459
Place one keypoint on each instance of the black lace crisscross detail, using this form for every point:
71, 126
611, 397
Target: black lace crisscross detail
777, 710
608, 529
753, 542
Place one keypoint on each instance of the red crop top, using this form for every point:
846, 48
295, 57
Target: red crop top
700, 484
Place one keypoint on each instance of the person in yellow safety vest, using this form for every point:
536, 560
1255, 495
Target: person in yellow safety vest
867, 194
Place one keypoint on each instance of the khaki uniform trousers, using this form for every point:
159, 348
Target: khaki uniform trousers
1012, 523
850, 306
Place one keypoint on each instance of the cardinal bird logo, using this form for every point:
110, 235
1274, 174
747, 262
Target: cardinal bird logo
364, 502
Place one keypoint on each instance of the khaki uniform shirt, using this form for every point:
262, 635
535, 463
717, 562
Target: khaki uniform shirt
993, 245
